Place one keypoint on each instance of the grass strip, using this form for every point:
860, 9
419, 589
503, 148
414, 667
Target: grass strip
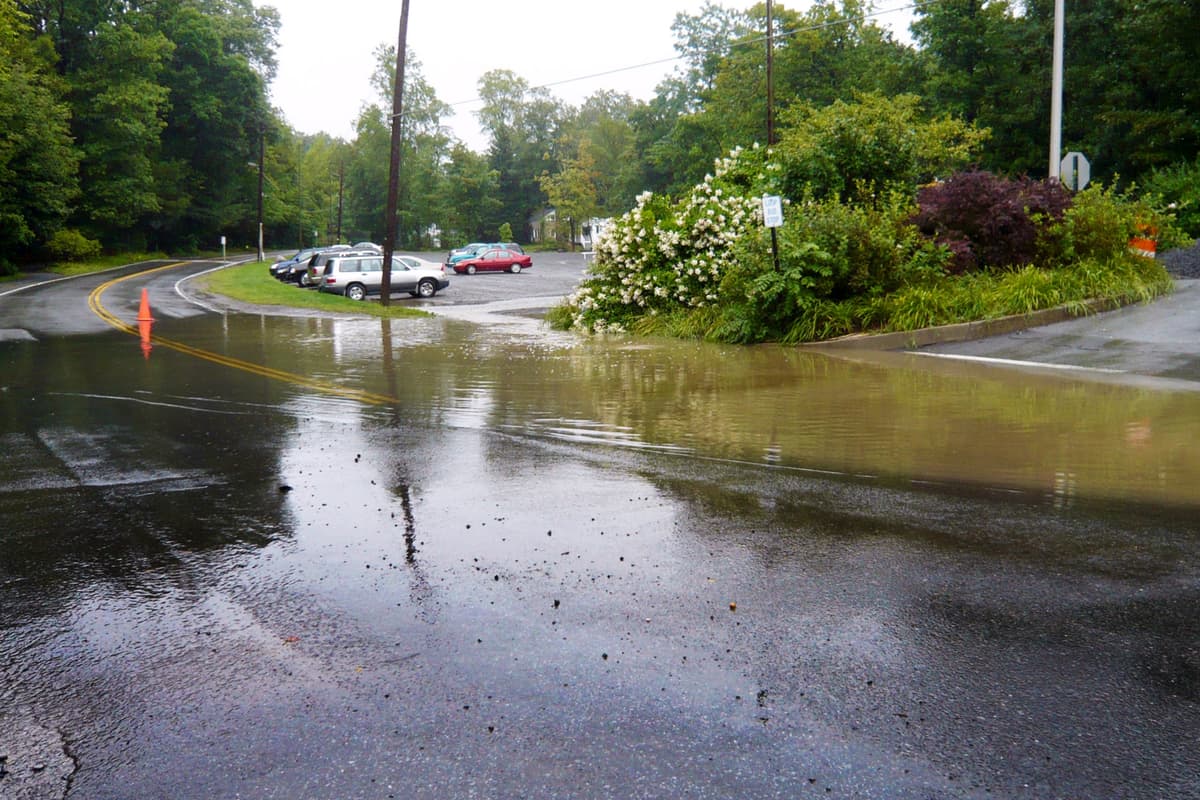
252, 283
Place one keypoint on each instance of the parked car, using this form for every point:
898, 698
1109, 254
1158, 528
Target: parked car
315, 268
357, 276
462, 253
472, 250
368, 246
279, 266
295, 272
494, 259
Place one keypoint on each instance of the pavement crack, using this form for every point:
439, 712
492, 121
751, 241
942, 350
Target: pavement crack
69, 751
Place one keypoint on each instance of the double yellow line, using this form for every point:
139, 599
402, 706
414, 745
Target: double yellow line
107, 316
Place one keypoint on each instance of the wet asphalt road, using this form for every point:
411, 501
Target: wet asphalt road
445, 606
1159, 340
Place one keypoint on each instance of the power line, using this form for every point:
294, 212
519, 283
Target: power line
739, 43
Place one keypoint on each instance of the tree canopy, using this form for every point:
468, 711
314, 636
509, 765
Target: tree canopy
139, 124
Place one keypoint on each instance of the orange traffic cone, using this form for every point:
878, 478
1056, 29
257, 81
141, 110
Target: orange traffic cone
144, 327
144, 310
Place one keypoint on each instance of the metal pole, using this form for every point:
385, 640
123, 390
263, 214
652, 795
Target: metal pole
389, 234
1056, 92
770, 78
261, 148
341, 189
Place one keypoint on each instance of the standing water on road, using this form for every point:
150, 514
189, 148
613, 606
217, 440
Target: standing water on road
281, 557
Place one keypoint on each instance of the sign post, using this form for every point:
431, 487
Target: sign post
222, 248
772, 207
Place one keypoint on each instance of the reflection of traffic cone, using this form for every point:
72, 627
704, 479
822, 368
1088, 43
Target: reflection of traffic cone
144, 310
144, 326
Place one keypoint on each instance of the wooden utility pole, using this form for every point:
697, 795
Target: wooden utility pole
390, 223
770, 78
341, 191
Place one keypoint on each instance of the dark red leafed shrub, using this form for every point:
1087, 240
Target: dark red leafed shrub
989, 221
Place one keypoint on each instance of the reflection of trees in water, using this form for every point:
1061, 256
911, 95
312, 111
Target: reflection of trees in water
926, 419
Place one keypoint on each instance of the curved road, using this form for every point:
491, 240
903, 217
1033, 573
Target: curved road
466, 561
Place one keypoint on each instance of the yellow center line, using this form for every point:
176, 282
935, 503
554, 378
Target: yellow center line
107, 316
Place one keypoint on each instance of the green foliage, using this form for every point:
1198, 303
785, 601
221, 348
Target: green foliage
118, 123
37, 162
572, 192
1177, 187
703, 267
71, 245
506, 233
1102, 220
472, 202
872, 145
1099, 224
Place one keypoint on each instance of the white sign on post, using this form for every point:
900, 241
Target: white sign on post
772, 206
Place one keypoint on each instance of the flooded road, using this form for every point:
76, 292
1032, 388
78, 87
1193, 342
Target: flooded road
457, 557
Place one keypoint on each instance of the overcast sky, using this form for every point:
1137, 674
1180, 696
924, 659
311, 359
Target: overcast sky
325, 50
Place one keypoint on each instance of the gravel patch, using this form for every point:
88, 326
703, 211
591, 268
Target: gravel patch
1182, 263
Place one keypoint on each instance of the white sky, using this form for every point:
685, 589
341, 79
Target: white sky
325, 50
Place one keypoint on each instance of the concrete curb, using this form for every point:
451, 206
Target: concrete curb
964, 331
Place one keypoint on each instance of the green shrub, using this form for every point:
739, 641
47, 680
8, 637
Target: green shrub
506, 234
875, 143
1177, 187
70, 245
1102, 220
1098, 225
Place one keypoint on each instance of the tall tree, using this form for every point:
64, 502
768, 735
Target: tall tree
572, 192
524, 126
425, 146
37, 162
119, 106
217, 77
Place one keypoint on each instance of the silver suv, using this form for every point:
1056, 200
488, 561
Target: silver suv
357, 276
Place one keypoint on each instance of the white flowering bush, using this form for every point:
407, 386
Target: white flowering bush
663, 256
703, 266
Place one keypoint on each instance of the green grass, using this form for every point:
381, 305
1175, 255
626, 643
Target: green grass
251, 283
102, 262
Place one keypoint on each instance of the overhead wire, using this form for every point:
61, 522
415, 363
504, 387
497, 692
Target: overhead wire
740, 43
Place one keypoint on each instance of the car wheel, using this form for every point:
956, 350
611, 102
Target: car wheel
355, 291
426, 288
470, 269
515, 268
304, 281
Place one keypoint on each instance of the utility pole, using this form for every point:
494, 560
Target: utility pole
262, 135
389, 235
771, 117
341, 189
1056, 91
770, 78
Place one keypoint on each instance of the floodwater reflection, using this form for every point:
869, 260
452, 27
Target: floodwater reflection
889, 416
